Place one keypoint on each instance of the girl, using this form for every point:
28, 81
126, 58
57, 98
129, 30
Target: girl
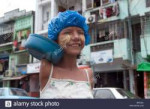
65, 79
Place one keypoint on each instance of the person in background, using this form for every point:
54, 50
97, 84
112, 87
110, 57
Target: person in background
65, 79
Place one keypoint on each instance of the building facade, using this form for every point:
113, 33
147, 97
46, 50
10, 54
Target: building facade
119, 31
47, 9
120, 35
15, 28
119, 38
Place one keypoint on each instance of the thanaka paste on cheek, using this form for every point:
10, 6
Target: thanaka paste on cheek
64, 40
82, 38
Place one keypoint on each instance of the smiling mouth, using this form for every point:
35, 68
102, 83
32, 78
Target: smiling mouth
75, 45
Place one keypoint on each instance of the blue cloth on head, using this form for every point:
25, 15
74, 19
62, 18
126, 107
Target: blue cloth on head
67, 19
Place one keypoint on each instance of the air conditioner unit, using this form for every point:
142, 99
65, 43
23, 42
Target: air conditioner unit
7, 73
91, 19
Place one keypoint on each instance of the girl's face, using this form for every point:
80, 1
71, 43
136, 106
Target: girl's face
72, 40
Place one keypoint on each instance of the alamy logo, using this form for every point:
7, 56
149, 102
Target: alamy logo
8, 103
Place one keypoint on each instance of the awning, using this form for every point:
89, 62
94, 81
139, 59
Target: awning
144, 66
14, 78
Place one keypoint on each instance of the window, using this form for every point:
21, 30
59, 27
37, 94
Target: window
126, 94
110, 31
105, 1
61, 9
23, 58
109, 11
71, 8
147, 24
47, 16
147, 3
18, 92
5, 38
97, 3
104, 94
89, 4
136, 32
103, 35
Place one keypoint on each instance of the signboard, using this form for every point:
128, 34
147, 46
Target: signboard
22, 69
33, 68
102, 56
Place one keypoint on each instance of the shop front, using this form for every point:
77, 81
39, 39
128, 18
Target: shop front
16, 81
33, 70
144, 68
109, 71
4, 60
112, 75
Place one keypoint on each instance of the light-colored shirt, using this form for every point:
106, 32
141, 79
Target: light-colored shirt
66, 88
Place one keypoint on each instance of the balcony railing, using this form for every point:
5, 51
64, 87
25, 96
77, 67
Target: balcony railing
6, 29
6, 38
118, 51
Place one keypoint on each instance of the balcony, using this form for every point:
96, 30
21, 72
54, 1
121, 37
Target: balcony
6, 38
104, 11
118, 51
6, 33
6, 46
119, 47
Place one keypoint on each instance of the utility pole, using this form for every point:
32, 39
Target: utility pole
131, 72
130, 33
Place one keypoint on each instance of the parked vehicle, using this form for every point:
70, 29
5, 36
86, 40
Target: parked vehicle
113, 93
14, 93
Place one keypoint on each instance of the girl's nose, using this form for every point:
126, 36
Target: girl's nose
75, 35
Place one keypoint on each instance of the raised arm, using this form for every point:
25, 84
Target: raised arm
44, 73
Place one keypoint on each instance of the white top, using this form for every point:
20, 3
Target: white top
66, 88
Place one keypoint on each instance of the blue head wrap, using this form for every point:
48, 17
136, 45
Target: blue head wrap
67, 19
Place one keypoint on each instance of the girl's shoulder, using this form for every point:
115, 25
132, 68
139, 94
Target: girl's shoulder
90, 72
91, 76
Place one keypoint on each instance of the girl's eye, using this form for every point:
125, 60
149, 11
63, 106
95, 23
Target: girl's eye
80, 32
67, 33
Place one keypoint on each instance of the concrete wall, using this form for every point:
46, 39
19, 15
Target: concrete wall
138, 7
145, 45
139, 58
122, 49
46, 16
42, 7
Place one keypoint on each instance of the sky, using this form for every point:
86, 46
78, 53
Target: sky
8, 5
